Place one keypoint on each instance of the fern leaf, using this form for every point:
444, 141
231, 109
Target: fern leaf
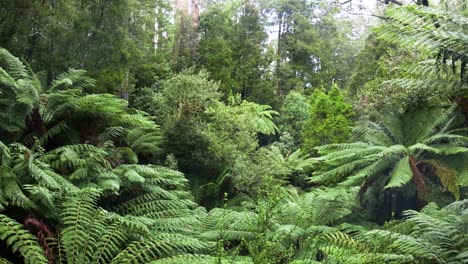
401, 174
77, 216
21, 241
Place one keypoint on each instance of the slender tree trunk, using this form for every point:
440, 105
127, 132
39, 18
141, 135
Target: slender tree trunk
462, 102
87, 44
279, 53
35, 122
418, 177
195, 13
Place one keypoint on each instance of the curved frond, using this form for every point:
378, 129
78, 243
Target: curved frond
21, 241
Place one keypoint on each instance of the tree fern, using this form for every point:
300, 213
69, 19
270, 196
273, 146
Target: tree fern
20, 94
434, 29
89, 234
434, 236
27, 181
396, 148
441, 39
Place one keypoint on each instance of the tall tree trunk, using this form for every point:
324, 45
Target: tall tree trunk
195, 13
279, 53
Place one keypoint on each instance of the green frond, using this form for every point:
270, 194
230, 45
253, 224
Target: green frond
373, 133
422, 123
342, 156
450, 149
5, 156
111, 239
43, 176
338, 173
146, 204
405, 244
21, 241
329, 148
375, 168
54, 131
158, 246
424, 147
12, 65
401, 173
264, 119
19, 95
394, 150
448, 35
204, 259
431, 236
447, 176
320, 207
157, 176
112, 133
13, 193
72, 79
4, 261
445, 137
299, 161
456, 207
144, 140
41, 196
78, 217
228, 225
343, 241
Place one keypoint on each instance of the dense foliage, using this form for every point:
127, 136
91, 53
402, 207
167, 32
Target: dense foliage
147, 131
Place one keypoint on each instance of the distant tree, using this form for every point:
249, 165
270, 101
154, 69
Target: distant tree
233, 49
179, 104
310, 50
293, 115
56, 35
329, 120
248, 50
215, 52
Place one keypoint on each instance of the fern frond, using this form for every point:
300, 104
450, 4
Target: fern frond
375, 168
12, 65
448, 177
373, 133
401, 173
144, 140
158, 246
21, 241
72, 79
229, 225
78, 216
203, 259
